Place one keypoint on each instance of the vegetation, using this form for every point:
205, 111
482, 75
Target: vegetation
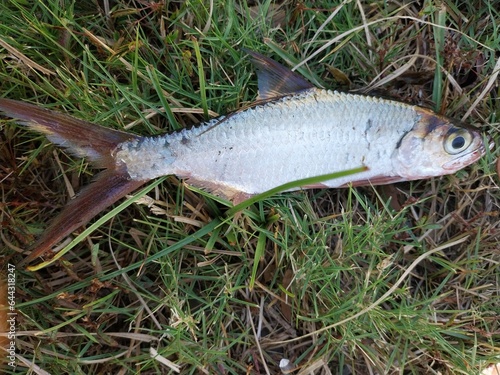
402, 279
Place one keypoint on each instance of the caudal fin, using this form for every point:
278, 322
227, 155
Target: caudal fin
108, 187
83, 139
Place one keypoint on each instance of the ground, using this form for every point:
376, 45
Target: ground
402, 279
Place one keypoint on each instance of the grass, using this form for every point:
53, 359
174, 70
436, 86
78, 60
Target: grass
391, 280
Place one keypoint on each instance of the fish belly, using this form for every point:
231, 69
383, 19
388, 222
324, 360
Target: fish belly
300, 136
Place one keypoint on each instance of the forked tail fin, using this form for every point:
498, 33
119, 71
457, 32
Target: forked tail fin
83, 139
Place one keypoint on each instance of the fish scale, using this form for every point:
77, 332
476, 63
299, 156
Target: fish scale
292, 138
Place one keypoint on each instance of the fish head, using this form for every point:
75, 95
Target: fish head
436, 146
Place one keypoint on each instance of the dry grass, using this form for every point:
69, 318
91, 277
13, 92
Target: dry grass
395, 280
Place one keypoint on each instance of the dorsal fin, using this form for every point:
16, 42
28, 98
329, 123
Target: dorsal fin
274, 79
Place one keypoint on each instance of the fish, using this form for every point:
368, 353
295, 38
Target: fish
293, 131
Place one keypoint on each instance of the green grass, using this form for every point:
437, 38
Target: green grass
392, 280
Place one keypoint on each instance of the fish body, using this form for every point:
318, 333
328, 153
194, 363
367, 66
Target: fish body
303, 135
293, 132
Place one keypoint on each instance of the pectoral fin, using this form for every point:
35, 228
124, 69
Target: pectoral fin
375, 180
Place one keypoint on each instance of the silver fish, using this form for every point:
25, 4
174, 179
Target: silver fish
293, 132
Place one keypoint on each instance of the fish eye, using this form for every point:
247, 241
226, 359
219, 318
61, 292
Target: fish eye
457, 141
